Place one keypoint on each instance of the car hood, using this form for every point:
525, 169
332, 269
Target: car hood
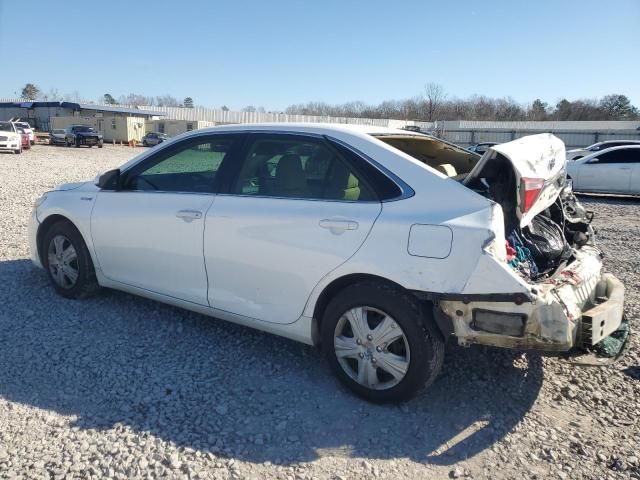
84, 186
539, 157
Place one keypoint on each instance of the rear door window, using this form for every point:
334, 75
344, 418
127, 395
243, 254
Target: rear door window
296, 166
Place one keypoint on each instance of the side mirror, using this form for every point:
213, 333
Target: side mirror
109, 180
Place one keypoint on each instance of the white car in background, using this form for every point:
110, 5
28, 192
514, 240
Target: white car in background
376, 243
578, 153
10, 139
28, 130
614, 170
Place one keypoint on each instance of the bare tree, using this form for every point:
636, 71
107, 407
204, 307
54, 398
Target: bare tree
30, 92
434, 97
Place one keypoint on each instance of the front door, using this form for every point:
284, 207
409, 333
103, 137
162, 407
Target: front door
149, 233
294, 211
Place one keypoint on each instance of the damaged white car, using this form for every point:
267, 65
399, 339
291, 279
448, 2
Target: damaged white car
377, 244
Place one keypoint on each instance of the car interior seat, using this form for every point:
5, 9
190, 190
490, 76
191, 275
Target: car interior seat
343, 184
448, 169
290, 180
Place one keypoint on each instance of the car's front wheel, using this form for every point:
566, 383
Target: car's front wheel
68, 262
381, 342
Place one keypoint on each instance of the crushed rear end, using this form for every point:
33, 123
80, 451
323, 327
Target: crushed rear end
540, 235
549, 244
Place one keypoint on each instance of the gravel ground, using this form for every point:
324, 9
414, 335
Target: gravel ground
122, 387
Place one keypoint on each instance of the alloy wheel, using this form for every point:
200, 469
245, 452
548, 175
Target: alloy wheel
371, 348
63, 262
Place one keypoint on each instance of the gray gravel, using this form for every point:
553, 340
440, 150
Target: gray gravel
122, 387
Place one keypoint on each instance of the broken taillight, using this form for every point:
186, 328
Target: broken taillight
530, 189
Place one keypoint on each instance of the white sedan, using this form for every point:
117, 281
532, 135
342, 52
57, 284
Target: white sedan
376, 243
10, 139
614, 170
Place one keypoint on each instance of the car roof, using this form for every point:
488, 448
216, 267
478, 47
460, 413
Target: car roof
320, 128
612, 149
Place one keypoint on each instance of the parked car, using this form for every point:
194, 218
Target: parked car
614, 170
78, 135
154, 138
578, 153
24, 136
10, 139
481, 148
58, 136
28, 130
353, 237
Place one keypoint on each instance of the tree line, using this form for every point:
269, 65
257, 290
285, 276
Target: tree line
431, 105
32, 92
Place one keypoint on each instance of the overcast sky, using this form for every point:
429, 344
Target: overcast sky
276, 53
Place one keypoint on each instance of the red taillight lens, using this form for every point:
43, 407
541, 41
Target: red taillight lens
530, 189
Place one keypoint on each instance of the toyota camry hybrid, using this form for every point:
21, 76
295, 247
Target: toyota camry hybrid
376, 244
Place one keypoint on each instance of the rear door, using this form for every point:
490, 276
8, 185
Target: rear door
634, 161
607, 172
295, 209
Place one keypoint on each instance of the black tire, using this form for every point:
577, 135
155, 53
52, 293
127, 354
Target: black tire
145, 144
86, 283
99, 145
425, 341
77, 142
67, 143
18, 151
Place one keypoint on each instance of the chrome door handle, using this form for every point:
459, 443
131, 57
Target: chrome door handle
338, 224
189, 215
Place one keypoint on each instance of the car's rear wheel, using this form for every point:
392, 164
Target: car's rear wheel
68, 262
18, 151
381, 342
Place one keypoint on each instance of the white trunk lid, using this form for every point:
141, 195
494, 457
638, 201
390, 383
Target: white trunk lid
537, 160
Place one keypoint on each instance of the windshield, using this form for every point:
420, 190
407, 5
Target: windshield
23, 124
59, 132
83, 129
6, 127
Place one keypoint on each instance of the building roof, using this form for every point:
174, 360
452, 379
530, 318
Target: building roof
85, 106
112, 108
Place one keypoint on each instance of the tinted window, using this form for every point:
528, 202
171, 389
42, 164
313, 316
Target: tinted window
299, 167
6, 127
191, 166
625, 155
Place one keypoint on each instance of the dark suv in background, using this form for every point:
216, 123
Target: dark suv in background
82, 135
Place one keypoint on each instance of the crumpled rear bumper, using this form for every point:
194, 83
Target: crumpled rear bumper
577, 308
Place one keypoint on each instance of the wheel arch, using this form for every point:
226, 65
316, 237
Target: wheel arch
340, 283
46, 225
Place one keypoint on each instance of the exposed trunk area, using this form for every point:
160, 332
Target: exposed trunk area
544, 223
